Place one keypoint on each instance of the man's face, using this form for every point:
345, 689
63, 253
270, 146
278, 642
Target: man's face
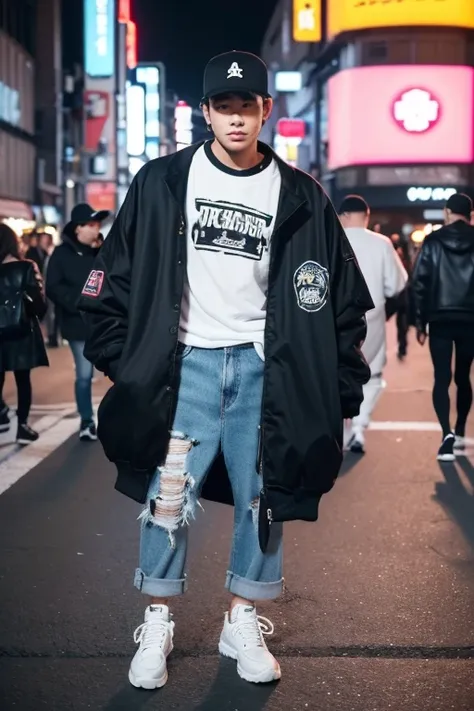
237, 120
87, 234
44, 242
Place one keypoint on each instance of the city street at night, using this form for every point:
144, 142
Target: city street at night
236, 350
377, 612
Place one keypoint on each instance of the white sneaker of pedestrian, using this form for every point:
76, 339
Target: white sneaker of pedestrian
242, 640
356, 444
459, 443
155, 637
347, 435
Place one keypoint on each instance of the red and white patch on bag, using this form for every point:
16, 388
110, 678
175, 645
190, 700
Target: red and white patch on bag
93, 285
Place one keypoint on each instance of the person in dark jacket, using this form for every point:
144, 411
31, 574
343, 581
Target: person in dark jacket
443, 287
229, 310
39, 253
68, 269
22, 303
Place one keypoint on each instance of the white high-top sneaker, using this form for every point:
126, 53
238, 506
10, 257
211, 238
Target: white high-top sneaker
155, 637
242, 640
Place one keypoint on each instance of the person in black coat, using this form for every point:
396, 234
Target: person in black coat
68, 270
22, 303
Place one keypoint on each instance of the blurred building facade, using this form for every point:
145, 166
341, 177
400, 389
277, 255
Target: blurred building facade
30, 114
384, 97
17, 111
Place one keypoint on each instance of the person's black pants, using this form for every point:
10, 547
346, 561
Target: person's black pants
23, 386
443, 337
402, 323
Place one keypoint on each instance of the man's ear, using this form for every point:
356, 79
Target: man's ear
206, 113
267, 109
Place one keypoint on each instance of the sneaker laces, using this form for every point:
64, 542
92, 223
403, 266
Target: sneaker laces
254, 629
151, 633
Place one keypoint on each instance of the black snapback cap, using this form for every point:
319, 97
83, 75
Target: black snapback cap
460, 204
235, 72
353, 203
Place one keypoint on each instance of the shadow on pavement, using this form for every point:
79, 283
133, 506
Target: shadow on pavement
349, 462
228, 693
455, 498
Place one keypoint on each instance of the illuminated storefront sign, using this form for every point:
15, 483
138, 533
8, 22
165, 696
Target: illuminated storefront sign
291, 128
388, 128
10, 111
307, 20
288, 81
124, 11
349, 15
418, 194
183, 115
135, 120
150, 77
131, 45
416, 110
99, 25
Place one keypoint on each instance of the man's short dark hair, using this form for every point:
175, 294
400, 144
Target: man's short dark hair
354, 203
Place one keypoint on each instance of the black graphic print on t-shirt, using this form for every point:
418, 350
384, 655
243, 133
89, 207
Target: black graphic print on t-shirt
230, 228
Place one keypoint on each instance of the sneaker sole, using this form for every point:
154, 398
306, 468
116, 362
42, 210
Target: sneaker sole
4, 428
263, 678
446, 457
26, 441
88, 438
149, 684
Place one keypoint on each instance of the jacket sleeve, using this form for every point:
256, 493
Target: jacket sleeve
421, 285
34, 291
395, 276
350, 300
105, 296
57, 288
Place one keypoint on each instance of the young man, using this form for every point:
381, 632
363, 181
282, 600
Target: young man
68, 267
386, 277
229, 312
443, 286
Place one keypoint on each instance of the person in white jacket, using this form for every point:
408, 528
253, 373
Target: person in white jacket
386, 277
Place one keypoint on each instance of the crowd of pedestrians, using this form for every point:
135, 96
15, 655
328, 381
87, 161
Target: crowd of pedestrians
40, 284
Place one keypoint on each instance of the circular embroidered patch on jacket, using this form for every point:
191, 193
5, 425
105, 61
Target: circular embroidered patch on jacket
311, 282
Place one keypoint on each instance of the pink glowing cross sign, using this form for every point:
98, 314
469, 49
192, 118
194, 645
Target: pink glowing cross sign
416, 110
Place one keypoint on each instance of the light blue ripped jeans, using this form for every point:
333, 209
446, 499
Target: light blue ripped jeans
218, 408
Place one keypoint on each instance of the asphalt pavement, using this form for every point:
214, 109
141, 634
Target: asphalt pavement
377, 613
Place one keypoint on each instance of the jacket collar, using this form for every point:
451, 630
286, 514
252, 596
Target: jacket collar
290, 202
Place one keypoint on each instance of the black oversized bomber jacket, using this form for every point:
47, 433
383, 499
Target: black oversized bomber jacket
314, 368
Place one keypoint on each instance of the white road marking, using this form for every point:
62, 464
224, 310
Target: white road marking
58, 426
16, 461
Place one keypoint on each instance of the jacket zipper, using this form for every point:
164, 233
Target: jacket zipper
181, 233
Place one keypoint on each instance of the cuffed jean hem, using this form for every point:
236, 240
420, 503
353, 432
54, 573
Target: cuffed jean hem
156, 587
252, 589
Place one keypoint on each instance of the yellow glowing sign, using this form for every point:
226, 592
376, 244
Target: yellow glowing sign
348, 15
307, 20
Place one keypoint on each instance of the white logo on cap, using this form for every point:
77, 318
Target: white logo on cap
235, 71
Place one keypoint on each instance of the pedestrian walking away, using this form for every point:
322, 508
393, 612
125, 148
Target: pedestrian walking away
386, 278
68, 269
228, 308
443, 287
22, 303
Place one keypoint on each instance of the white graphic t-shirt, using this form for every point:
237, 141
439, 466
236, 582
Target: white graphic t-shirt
230, 219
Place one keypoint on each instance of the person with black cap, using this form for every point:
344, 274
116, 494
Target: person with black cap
443, 288
68, 269
386, 277
229, 313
